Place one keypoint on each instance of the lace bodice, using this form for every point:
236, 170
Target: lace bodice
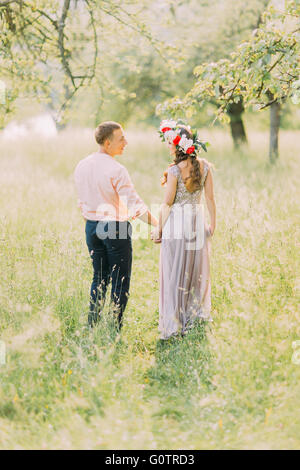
183, 196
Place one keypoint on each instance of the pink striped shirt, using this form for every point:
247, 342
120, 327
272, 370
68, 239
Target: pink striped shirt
105, 190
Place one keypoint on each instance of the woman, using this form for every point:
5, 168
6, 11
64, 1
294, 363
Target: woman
185, 291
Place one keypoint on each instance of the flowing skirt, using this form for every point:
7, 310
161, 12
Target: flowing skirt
185, 289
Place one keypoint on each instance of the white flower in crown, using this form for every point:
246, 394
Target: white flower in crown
170, 135
167, 123
185, 143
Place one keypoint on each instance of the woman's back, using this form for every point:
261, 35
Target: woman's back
182, 173
184, 261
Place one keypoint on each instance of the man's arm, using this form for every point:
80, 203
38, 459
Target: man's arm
136, 206
148, 218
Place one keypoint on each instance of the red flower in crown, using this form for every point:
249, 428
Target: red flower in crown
190, 149
165, 129
177, 140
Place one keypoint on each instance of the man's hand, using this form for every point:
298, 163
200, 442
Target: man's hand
156, 235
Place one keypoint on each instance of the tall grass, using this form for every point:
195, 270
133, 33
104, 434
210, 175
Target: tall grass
231, 385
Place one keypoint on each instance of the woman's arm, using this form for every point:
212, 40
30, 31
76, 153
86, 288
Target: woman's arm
166, 205
210, 200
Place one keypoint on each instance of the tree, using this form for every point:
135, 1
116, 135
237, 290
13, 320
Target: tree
221, 28
211, 29
53, 46
263, 71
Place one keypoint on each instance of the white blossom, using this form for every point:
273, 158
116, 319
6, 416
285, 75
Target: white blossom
185, 143
167, 123
170, 136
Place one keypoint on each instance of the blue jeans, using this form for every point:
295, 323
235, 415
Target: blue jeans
112, 259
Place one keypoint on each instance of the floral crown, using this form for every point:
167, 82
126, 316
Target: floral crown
169, 131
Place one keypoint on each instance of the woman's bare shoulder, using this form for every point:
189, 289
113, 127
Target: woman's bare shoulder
203, 162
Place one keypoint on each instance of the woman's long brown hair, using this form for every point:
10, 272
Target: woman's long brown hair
192, 182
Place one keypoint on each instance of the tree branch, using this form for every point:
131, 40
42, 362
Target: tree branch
273, 101
90, 11
8, 2
61, 39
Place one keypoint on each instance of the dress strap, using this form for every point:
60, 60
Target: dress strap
205, 171
174, 170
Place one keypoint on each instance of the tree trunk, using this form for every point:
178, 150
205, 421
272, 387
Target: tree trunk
275, 109
54, 105
235, 111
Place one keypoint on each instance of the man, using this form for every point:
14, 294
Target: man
107, 200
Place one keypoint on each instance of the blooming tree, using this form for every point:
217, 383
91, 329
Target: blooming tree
53, 47
263, 71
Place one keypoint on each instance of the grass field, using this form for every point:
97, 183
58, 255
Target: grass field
232, 385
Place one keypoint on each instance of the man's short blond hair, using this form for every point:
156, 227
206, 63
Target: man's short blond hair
105, 131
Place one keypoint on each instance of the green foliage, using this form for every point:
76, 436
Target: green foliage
210, 30
50, 49
261, 71
85, 71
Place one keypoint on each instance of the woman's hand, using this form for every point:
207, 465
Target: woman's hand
211, 230
156, 235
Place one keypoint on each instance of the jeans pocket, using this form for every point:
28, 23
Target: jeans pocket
102, 230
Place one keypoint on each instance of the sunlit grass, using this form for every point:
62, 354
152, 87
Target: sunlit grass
232, 385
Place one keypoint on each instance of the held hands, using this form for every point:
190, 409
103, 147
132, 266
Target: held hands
156, 235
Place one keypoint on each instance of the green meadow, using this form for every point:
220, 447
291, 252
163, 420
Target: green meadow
234, 384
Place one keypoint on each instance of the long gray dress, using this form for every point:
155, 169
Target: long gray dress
185, 290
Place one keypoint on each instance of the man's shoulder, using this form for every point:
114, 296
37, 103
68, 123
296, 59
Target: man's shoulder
85, 160
121, 167
87, 163
118, 168
114, 165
